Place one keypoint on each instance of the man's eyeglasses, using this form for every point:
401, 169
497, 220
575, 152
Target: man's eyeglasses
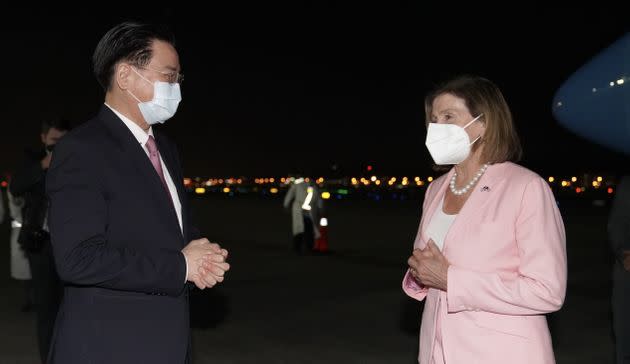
173, 77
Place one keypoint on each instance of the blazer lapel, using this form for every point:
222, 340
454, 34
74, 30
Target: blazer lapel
480, 196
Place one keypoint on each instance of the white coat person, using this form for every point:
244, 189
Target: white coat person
304, 201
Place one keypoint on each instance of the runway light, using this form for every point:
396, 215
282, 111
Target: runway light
200, 190
573, 179
378, 182
551, 179
272, 180
430, 179
373, 179
273, 190
326, 195
599, 179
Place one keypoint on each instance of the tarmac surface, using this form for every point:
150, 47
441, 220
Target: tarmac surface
343, 307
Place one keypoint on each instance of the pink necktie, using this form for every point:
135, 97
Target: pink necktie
154, 155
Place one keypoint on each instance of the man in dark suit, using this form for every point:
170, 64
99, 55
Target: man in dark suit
619, 237
120, 225
28, 182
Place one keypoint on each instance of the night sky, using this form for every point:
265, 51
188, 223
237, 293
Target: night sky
272, 89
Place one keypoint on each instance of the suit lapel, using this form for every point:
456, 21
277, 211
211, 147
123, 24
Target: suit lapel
174, 171
138, 157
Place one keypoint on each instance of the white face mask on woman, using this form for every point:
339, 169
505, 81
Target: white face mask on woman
166, 98
449, 143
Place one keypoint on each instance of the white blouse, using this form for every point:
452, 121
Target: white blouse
439, 225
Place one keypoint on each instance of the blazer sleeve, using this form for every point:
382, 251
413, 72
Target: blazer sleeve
540, 284
78, 222
619, 220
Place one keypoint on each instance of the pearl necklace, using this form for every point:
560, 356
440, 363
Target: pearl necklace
469, 184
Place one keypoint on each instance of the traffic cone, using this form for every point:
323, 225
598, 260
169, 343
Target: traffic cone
321, 244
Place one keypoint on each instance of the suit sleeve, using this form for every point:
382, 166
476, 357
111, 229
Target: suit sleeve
619, 220
78, 223
540, 285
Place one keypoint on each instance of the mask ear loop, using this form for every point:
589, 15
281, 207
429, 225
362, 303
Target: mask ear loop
467, 125
141, 76
473, 120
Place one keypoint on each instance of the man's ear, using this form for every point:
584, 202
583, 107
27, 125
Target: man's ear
122, 76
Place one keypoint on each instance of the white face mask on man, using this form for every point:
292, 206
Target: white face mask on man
166, 98
449, 143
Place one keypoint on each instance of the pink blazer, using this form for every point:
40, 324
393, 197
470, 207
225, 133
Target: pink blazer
507, 250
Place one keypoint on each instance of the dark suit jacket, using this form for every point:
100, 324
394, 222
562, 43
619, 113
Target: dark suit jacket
117, 246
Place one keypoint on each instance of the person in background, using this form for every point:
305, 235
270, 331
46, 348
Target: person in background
29, 183
489, 257
20, 268
304, 202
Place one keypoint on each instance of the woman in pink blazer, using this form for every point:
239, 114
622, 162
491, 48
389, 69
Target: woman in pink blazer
490, 255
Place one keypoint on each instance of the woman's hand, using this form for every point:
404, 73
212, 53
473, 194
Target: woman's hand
429, 266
